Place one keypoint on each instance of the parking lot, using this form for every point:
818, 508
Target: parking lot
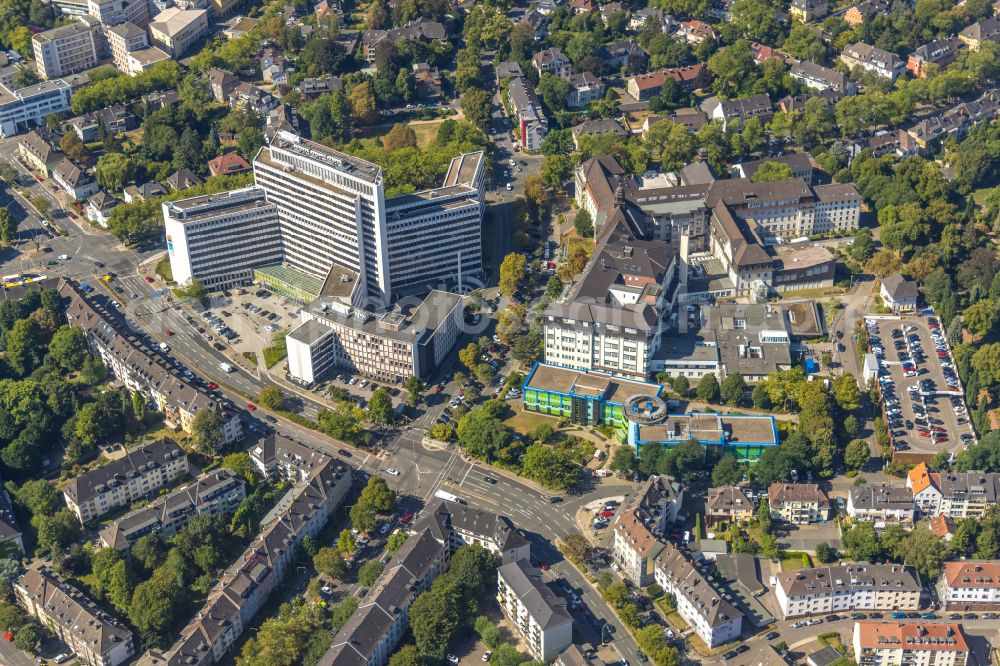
923, 400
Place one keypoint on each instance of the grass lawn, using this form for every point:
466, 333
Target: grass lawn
793, 560
426, 131
250, 356
816, 292
163, 270
277, 351
524, 422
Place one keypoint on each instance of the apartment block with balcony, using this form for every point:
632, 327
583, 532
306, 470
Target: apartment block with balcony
900, 644
852, 587
539, 617
798, 503
703, 607
94, 637
970, 585
639, 526
882, 505
137, 475
952, 494
216, 493
458, 525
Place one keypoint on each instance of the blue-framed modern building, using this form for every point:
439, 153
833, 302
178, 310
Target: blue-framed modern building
639, 414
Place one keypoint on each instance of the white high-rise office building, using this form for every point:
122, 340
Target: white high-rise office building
221, 238
331, 208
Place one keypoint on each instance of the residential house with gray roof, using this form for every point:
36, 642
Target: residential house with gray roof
94, 637
539, 617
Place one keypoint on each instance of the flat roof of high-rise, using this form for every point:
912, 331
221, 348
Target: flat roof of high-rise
349, 164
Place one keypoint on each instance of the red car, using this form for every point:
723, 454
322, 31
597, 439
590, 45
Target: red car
149, 279
168, 331
251, 407
606, 514
407, 518
213, 385
924, 433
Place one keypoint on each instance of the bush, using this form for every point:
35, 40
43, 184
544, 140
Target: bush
654, 591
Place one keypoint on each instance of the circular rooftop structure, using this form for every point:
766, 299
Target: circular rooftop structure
644, 409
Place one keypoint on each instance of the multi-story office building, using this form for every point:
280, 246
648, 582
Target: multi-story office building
136, 475
410, 339
380, 622
860, 586
883, 505
177, 31
798, 503
331, 208
328, 211
217, 492
970, 585
952, 494
220, 238
638, 527
94, 637
900, 644
23, 108
538, 616
702, 606
67, 49
436, 234
459, 525
114, 12
123, 39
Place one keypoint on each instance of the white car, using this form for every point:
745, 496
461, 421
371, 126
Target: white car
393, 472
63, 257
509, 187
452, 659
615, 567
487, 655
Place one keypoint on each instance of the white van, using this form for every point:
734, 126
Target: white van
225, 367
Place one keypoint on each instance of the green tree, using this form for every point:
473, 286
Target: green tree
681, 386
68, 348
8, 227
73, 146
58, 531
206, 431
24, 346
624, 461
433, 620
550, 467
369, 572
149, 551
857, 454
616, 594
271, 397
512, 272
708, 388
152, 607
330, 562
114, 171
346, 542
241, 464
477, 106
380, 407
861, 542
395, 541
732, 389
378, 495
727, 472
583, 224
770, 171
28, 638
342, 611
414, 390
